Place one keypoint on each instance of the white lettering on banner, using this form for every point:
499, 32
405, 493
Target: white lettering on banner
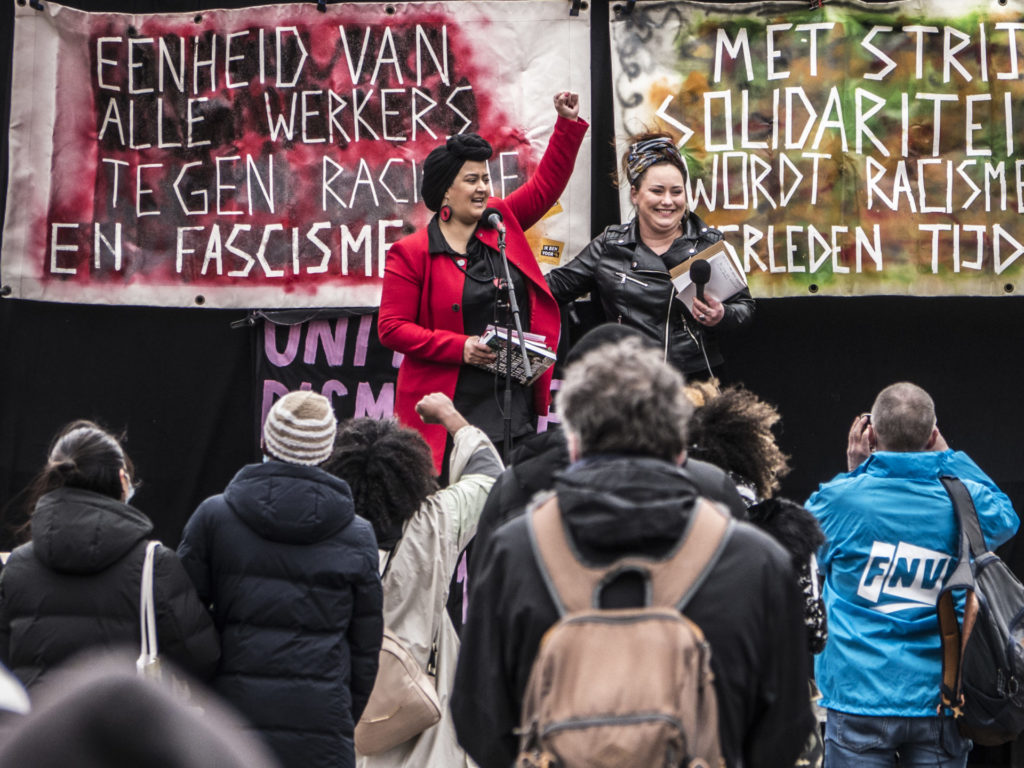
901, 576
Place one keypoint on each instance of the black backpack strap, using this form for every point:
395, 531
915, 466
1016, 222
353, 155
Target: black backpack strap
963, 504
954, 639
672, 580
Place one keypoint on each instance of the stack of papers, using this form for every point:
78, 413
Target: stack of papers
541, 356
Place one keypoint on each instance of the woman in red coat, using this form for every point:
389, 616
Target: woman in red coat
441, 286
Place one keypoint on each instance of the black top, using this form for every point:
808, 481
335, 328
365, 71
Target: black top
749, 607
75, 588
479, 394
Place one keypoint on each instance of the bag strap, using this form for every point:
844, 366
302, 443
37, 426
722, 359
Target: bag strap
966, 513
954, 639
670, 581
432, 659
147, 610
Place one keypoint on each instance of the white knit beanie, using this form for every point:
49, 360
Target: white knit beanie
300, 429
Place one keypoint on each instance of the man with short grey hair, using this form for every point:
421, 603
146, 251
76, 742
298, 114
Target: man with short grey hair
625, 415
891, 543
625, 401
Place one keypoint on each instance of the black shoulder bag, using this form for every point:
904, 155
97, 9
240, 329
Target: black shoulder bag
982, 662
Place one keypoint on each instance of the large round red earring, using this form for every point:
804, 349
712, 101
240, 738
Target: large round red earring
445, 213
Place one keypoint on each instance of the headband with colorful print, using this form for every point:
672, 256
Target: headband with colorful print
643, 154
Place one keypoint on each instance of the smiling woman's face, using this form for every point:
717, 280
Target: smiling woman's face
660, 199
467, 196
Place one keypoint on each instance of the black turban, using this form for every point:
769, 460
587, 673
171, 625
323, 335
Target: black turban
443, 164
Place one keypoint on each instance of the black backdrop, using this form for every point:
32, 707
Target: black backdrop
180, 381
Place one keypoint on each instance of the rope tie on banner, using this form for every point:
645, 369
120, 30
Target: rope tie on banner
574, 8
321, 5
36, 5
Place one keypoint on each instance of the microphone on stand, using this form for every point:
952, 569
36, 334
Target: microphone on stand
700, 273
492, 218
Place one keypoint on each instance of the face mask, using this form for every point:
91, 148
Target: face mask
127, 480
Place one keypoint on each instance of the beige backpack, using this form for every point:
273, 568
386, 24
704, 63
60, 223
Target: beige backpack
631, 686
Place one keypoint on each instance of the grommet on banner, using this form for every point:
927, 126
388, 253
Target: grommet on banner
5, 290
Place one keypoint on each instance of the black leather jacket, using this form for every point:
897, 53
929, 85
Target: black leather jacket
632, 283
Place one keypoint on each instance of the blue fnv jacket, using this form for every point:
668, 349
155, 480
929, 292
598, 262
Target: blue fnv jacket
892, 541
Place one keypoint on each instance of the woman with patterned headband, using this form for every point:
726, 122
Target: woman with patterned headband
627, 266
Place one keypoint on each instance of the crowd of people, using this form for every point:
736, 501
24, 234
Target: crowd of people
276, 603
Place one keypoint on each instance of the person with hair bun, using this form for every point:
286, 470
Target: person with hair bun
627, 266
75, 585
443, 284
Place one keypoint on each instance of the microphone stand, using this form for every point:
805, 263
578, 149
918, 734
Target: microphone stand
512, 316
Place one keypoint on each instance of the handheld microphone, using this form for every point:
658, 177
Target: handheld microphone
700, 273
492, 218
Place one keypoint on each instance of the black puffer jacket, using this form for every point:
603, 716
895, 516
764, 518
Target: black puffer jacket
291, 573
75, 587
749, 608
633, 286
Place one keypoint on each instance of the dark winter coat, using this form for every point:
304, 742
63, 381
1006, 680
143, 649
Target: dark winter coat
749, 608
537, 460
75, 587
291, 574
633, 286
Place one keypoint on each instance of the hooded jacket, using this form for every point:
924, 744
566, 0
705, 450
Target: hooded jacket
291, 574
634, 288
749, 608
537, 460
75, 587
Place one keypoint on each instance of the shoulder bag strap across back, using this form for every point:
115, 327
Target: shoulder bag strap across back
576, 586
954, 638
148, 651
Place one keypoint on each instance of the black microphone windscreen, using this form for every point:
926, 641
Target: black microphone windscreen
700, 271
492, 218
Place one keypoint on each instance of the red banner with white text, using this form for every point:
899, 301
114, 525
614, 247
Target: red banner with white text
267, 157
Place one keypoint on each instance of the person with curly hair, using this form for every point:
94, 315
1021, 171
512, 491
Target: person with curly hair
734, 429
444, 284
421, 528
